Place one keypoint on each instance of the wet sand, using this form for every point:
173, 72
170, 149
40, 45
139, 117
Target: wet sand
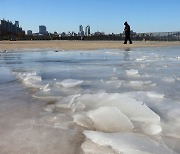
80, 45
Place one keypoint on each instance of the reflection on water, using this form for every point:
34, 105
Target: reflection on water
126, 56
101, 101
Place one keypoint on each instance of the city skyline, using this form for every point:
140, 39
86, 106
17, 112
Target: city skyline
103, 15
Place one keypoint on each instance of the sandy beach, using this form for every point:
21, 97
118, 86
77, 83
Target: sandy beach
80, 45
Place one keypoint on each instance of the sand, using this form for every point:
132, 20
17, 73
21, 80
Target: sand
80, 45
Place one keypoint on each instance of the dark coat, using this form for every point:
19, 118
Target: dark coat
127, 30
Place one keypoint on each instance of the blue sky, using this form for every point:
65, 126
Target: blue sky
102, 15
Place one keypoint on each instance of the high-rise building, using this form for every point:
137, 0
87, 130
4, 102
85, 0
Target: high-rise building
17, 23
8, 28
29, 32
80, 28
87, 30
42, 29
81, 32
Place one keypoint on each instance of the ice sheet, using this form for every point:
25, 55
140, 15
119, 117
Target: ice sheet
133, 109
131, 97
128, 143
115, 120
69, 83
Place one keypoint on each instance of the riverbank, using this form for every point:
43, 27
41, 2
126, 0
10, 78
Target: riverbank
80, 45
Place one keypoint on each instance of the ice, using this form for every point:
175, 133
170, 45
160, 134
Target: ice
147, 96
46, 95
49, 108
141, 59
69, 101
174, 114
69, 83
124, 101
141, 84
6, 76
115, 120
90, 147
22, 75
151, 129
30, 79
114, 82
83, 120
178, 78
53, 91
133, 109
178, 58
155, 95
33, 78
132, 72
128, 143
169, 79
46, 88
119, 110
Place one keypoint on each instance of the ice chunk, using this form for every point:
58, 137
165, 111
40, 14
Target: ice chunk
141, 59
83, 120
139, 84
132, 72
90, 147
42, 94
155, 95
33, 81
30, 79
133, 109
73, 97
69, 83
151, 129
150, 97
22, 75
46, 88
67, 102
110, 119
128, 143
78, 106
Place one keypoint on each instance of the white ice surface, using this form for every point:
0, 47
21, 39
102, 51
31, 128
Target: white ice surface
155, 95
110, 119
151, 129
116, 92
140, 84
132, 72
133, 109
128, 143
83, 120
69, 83
30, 79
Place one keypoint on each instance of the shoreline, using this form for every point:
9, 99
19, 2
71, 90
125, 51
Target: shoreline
80, 45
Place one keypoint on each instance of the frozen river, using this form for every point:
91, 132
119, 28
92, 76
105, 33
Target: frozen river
90, 102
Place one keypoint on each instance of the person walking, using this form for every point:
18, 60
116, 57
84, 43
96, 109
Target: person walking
127, 31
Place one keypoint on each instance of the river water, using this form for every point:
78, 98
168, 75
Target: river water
93, 102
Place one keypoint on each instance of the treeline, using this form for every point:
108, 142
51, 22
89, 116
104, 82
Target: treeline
120, 37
